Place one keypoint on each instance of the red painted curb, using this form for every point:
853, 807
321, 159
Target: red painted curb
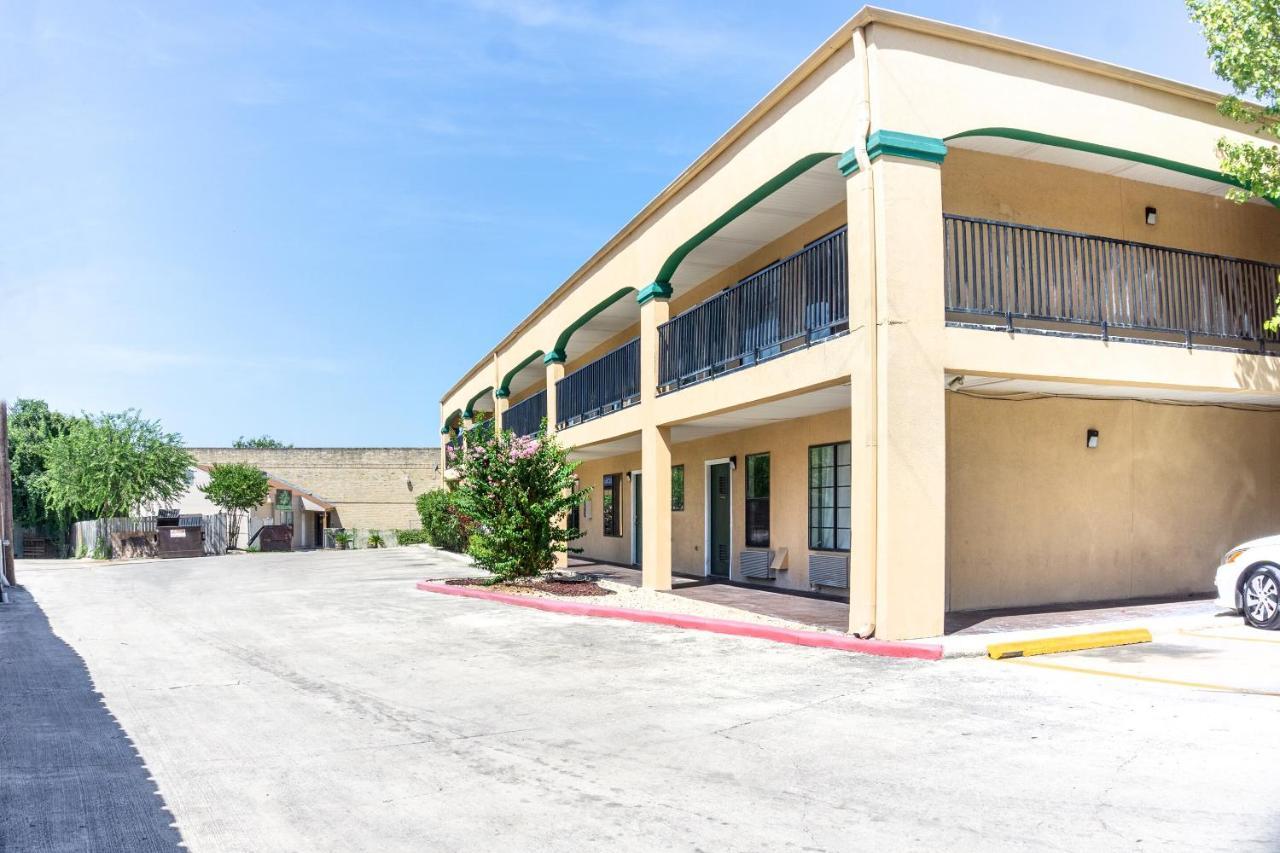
815, 639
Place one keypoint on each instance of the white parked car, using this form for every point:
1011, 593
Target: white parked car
1249, 581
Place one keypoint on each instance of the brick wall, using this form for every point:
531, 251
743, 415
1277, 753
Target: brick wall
372, 487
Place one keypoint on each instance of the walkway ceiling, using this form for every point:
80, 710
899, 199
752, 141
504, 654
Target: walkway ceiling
763, 414
997, 387
781, 212
1094, 158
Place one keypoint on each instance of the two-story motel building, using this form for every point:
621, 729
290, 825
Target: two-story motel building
947, 322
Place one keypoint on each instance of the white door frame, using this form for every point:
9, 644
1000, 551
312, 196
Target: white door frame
706, 514
635, 540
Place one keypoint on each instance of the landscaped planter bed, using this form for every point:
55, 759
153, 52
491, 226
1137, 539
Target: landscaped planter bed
541, 586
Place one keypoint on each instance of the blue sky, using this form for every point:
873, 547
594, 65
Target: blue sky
308, 219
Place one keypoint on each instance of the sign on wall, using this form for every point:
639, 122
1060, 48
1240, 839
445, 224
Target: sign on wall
284, 500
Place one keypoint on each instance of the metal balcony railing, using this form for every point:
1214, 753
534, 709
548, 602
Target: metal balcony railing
790, 304
607, 384
1148, 293
525, 417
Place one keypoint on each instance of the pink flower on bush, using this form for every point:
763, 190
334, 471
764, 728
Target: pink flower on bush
523, 448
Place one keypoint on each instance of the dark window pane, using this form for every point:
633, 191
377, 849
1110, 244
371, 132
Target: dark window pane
758, 522
677, 488
758, 475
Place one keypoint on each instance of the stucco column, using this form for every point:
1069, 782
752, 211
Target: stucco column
555, 372
655, 447
500, 401
898, 549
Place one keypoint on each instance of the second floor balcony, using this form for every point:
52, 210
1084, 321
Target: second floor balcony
606, 385
1048, 281
793, 303
525, 417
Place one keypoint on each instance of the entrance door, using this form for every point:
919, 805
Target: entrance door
637, 521
718, 510
318, 530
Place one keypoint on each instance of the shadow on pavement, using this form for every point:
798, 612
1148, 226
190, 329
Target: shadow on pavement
70, 778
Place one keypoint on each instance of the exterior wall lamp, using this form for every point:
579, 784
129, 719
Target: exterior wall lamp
1151, 216
733, 463
1091, 439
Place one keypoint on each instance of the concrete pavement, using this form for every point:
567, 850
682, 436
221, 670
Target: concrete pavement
319, 702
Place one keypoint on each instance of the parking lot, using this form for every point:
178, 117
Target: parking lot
319, 702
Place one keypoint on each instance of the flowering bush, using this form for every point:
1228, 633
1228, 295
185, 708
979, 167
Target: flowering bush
518, 491
444, 525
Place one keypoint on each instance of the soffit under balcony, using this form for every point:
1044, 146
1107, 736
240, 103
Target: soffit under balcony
1030, 389
785, 209
1094, 158
787, 409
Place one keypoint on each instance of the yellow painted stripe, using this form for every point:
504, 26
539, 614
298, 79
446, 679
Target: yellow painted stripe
1071, 643
1198, 685
1209, 636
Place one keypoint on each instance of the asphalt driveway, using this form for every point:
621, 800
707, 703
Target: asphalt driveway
318, 702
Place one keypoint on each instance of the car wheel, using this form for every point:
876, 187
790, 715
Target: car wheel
1261, 598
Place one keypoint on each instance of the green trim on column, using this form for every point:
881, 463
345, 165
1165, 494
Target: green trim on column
562, 342
555, 357
848, 162
444, 430
1106, 151
657, 290
762, 192
502, 393
894, 143
504, 390
469, 412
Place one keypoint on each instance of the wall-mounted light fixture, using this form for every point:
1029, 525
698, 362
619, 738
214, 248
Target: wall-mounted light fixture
1151, 216
1091, 438
733, 463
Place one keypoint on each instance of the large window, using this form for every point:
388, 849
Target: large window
758, 500
677, 488
829, 497
611, 504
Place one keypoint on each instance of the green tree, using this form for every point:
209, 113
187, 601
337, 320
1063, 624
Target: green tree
259, 442
112, 465
518, 490
32, 426
443, 523
236, 488
1243, 39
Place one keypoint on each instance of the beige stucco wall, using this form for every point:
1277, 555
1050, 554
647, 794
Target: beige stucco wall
788, 445
1050, 196
1034, 517
372, 487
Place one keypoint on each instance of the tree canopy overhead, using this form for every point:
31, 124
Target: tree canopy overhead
1243, 39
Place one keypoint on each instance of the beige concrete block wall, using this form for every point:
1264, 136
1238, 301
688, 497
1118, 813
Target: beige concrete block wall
788, 445
372, 487
1033, 516
1049, 196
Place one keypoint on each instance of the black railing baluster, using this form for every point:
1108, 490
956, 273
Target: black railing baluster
1020, 272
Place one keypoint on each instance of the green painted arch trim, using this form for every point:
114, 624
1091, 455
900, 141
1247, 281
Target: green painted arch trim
562, 342
657, 290
469, 412
762, 192
504, 389
456, 413
1107, 151
444, 430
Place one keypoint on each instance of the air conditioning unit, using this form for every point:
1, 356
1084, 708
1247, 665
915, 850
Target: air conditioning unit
830, 570
757, 565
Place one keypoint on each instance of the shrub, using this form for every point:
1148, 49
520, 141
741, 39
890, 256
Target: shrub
375, 539
519, 490
443, 522
412, 537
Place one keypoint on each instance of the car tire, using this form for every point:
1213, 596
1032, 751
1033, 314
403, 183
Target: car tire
1260, 597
